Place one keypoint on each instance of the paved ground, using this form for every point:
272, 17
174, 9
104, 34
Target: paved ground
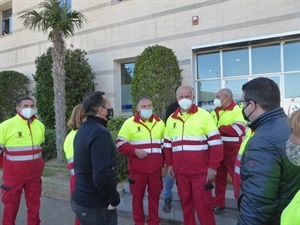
58, 212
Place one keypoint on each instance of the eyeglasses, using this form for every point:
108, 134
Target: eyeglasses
245, 102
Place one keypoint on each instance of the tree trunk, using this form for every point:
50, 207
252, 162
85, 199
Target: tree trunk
58, 72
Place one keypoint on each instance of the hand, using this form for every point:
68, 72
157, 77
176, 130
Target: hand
110, 207
140, 153
211, 174
171, 172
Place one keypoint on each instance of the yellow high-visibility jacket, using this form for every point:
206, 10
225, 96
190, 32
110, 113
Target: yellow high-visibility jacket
291, 214
192, 142
231, 125
69, 150
146, 135
21, 143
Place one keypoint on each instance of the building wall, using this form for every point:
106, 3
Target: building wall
117, 33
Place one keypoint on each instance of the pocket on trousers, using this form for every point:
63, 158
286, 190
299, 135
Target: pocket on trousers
7, 196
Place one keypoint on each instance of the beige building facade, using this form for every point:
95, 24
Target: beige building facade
218, 43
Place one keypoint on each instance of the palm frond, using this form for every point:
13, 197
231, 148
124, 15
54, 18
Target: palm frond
52, 18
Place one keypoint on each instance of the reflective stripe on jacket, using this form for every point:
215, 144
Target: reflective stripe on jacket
237, 168
146, 135
69, 150
231, 125
21, 143
192, 142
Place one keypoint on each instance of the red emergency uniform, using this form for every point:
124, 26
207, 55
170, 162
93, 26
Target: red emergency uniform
231, 125
69, 152
20, 142
192, 144
237, 168
148, 136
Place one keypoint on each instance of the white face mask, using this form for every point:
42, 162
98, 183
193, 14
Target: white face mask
185, 103
28, 112
146, 113
217, 102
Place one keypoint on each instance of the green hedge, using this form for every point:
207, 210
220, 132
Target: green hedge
114, 126
79, 80
13, 86
49, 150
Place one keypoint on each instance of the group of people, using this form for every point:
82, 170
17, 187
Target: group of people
255, 144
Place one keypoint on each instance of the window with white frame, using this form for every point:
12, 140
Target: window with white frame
235, 64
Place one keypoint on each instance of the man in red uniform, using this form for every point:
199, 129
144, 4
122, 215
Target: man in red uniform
229, 119
193, 149
140, 139
21, 139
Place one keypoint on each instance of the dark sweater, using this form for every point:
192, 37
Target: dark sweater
95, 165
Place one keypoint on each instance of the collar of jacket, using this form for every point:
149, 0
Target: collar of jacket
30, 119
97, 120
230, 107
266, 116
192, 110
137, 118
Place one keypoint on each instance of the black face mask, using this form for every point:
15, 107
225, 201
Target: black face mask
244, 115
110, 113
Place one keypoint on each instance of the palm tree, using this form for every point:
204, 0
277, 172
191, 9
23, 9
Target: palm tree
59, 22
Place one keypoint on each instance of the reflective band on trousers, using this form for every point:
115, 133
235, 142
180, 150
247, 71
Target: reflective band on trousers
23, 158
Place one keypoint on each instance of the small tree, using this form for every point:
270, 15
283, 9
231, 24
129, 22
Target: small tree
156, 75
13, 86
79, 80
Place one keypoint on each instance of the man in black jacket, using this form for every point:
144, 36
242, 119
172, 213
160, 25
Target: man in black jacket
269, 180
95, 197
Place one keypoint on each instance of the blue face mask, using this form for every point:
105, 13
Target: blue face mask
146, 113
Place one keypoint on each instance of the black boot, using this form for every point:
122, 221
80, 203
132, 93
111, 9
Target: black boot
167, 206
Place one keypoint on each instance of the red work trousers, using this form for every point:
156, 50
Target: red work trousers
72, 187
194, 196
138, 183
11, 196
226, 166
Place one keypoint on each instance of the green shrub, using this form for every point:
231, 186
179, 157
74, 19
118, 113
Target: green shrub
114, 126
156, 75
13, 86
79, 80
49, 150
